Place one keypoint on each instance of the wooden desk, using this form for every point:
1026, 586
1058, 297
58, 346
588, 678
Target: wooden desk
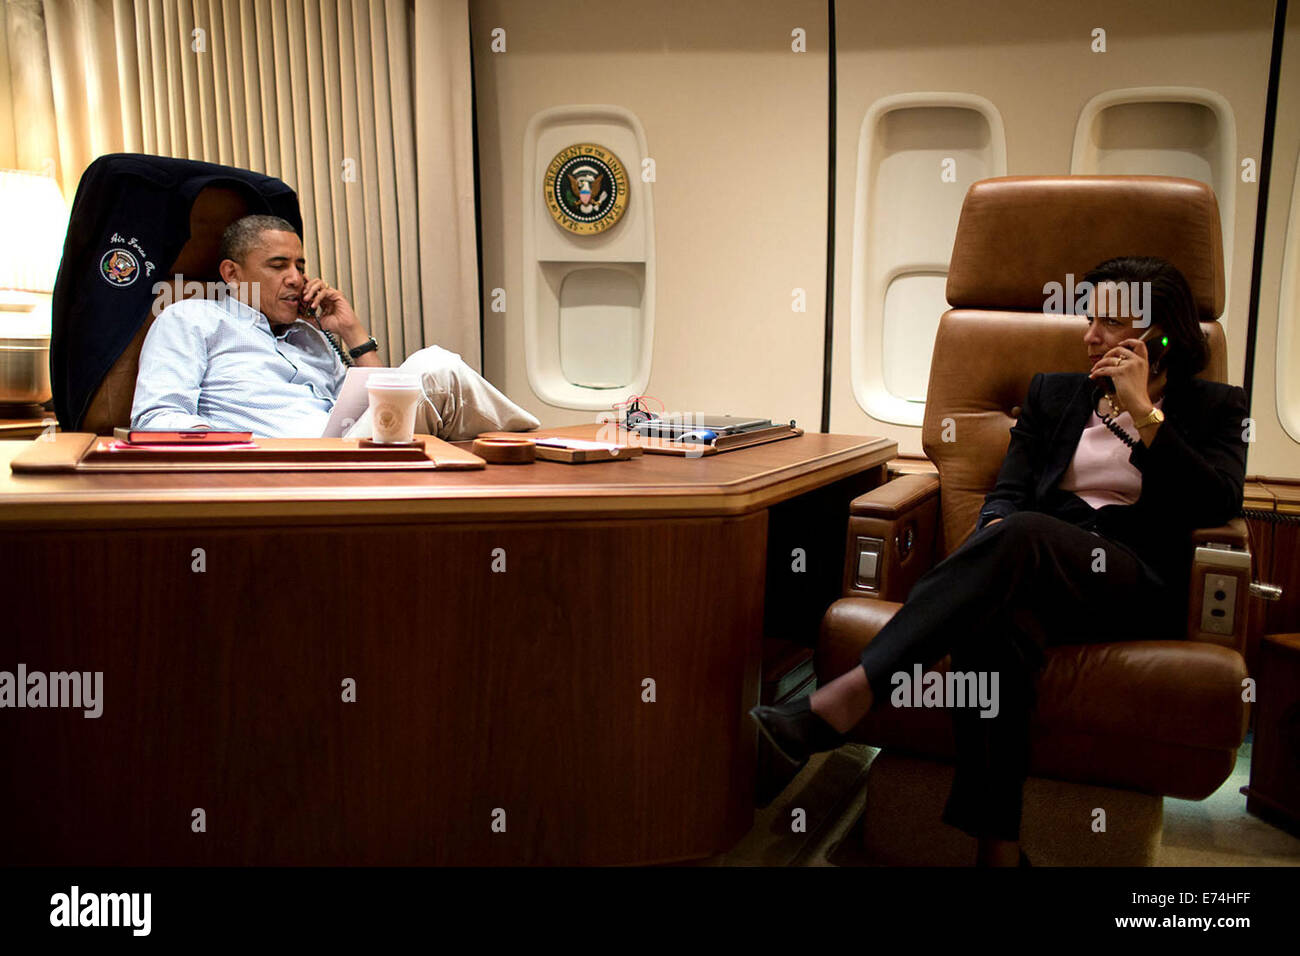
477, 690
26, 421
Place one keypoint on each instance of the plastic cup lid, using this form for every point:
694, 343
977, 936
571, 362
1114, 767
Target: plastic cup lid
393, 380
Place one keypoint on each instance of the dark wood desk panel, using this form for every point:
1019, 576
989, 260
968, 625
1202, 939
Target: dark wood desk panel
476, 691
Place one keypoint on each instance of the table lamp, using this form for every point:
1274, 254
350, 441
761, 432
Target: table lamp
32, 230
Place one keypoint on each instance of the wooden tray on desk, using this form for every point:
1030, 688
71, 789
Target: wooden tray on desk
572, 456
84, 452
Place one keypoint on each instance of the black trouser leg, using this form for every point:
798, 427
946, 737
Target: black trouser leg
1010, 590
992, 753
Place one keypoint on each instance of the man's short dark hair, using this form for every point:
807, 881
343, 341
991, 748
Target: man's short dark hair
244, 235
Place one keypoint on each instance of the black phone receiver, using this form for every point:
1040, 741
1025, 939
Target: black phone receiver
1155, 349
1155, 353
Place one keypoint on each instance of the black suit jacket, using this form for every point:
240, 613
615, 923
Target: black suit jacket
1192, 474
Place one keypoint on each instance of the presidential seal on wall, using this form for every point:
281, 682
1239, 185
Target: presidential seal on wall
586, 189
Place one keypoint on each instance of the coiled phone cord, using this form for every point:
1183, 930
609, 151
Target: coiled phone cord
338, 349
1118, 432
1098, 394
332, 339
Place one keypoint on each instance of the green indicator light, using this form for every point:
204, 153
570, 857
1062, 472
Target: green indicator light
1164, 340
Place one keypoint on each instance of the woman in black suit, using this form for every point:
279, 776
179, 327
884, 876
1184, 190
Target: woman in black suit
1130, 470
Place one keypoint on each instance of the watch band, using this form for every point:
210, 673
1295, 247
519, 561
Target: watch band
368, 346
1150, 418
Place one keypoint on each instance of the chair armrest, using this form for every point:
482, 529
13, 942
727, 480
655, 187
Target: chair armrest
848, 626
891, 537
1233, 533
895, 498
1219, 594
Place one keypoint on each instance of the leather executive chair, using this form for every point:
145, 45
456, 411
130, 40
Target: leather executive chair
1118, 725
215, 208
171, 214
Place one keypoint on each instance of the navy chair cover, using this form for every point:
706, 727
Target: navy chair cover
129, 222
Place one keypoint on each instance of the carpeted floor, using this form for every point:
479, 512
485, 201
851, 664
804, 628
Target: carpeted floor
831, 792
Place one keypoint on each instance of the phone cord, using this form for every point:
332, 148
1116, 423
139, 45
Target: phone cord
334, 344
1118, 432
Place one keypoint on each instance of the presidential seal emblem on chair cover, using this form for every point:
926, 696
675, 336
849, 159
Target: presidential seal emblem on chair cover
119, 267
586, 189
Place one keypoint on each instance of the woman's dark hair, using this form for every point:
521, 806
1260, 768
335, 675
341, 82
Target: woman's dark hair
1172, 306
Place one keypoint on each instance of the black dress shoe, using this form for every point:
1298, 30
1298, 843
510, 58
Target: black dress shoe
796, 730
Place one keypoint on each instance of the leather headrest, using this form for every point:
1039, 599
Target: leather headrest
1018, 233
214, 209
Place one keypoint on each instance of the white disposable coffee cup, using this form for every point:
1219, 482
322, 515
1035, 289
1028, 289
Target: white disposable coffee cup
394, 398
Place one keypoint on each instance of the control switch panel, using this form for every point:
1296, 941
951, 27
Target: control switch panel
870, 552
1220, 603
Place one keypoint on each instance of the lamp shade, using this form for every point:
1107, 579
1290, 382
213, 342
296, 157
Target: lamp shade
33, 222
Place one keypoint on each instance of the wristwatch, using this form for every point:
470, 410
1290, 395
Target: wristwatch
369, 345
1153, 417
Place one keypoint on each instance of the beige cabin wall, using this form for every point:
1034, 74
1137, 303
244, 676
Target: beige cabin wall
1274, 452
1032, 60
737, 125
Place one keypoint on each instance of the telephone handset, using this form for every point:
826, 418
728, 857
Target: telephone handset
1107, 385
1155, 352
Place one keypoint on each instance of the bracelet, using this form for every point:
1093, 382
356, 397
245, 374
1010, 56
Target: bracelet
369, 346
1153, 417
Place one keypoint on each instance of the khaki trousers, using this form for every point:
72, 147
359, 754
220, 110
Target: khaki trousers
461, 403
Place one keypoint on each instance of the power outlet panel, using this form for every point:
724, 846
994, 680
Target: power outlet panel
1219, 605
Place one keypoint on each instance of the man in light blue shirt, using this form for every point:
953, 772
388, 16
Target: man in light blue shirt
247, 361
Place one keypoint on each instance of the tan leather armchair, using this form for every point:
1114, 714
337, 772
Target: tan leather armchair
1118, 725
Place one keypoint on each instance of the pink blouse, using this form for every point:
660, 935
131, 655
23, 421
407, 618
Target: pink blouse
1100, 472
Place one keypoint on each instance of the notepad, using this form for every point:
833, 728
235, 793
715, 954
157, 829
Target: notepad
577, 444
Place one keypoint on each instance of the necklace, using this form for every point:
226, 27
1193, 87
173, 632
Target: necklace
1109, 422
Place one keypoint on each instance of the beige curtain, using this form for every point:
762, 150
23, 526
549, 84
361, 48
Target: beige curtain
362, 106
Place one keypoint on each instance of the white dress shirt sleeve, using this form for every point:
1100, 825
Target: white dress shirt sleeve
173, 361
